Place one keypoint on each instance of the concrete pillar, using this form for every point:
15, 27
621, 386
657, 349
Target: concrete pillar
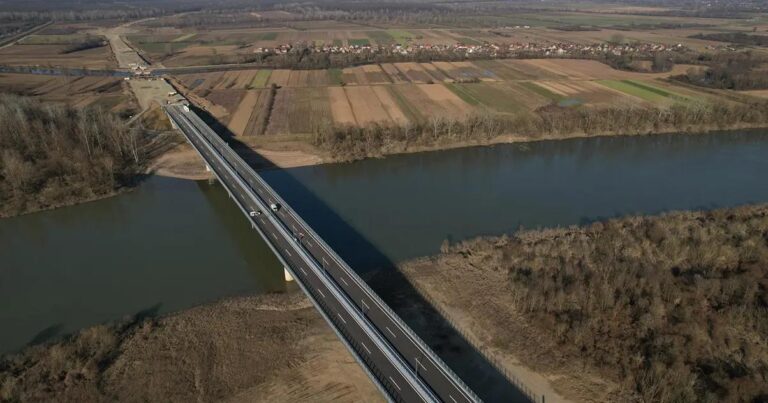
288, 277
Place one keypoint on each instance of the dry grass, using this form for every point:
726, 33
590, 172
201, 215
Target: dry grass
267, 349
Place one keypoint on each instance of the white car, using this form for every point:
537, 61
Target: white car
274, 207
255, 213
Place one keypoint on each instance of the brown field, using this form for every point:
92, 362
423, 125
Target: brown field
394, 74
299, 110
107, 92
341, 110
51, 56
279, 77
415, 72
366, 105
433, 71
242, 115
375, 75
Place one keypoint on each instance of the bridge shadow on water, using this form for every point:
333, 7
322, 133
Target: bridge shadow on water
388, 282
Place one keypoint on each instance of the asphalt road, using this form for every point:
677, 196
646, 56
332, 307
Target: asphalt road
405, 368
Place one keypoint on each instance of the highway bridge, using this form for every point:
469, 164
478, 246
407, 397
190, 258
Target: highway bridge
395, 358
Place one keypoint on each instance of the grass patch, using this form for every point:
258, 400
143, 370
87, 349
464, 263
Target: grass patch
492, 97
338, 42
184, 38
359, 42
401, 37
260, 79
381, 37
469, 41
159, 48
462, 93
409, 111
541, 91
335, 76
643, 91
266, 36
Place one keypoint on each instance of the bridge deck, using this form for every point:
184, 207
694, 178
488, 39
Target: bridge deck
399, 362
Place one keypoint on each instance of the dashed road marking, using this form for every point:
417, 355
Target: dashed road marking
395, 383
344, 281
390, 331
286, 251
321, 292
365, 347
342, 318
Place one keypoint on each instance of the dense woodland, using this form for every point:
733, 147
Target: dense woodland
351, 142
734, 71
674, 308
735, 37
54, 155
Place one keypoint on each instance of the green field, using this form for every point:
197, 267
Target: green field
260, 79
381, 37
541, 91
642, 90
359, 42
163, 47
266, 36
401, 37
490, 96
335, 76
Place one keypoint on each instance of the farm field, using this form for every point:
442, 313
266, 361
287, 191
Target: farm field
105, 92
397, 93
51, 55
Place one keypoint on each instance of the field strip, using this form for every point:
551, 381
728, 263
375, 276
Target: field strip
390, 105
341, 110
243, 113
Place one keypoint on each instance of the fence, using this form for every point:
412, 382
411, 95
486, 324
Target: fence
485, 352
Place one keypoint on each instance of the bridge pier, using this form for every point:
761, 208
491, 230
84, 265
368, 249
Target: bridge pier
287, 275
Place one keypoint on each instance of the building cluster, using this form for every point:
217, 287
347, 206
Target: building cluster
486, 49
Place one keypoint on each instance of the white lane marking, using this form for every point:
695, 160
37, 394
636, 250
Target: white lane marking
362, 301
286, 251
308, 243
324, 261
419, 364
321, 293
395, 383
294, 228
390, 332
365, 347
342, 319
273, 235
344, 281
303, 271
454, 400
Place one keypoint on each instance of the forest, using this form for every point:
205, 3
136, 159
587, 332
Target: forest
52, 155
672, 307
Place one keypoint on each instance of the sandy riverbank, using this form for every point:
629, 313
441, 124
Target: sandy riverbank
272, 348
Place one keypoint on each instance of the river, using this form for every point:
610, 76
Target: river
172, 244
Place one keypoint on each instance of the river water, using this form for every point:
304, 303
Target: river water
173, 244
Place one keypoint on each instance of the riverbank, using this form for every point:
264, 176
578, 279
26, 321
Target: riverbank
655, 308
265, 348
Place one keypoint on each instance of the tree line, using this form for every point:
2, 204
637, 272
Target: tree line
348, 143
733, 70
53, 154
